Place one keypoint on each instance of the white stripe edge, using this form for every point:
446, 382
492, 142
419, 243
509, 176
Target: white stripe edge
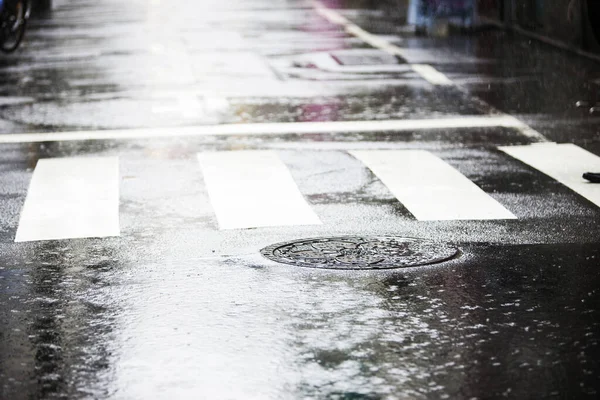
258, 129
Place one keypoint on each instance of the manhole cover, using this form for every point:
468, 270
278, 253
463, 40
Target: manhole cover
364, 252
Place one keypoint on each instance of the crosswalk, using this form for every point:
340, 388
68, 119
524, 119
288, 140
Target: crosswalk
71, 198
251, 189
79, 197
429, 188
563, 162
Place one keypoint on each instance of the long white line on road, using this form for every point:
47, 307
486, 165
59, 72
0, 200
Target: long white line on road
250, 189
432, 75
286, 128
71, 198
565, 163
429, 188
427, 72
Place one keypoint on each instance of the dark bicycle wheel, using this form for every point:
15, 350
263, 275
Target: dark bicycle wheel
14, 21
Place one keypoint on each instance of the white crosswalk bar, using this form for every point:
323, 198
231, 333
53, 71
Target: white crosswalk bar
565, 163
250, 189
430, 188
71, 198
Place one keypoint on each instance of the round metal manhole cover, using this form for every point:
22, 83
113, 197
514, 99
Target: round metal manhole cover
362, 252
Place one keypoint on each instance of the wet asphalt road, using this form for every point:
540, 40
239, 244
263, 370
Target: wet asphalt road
175, 307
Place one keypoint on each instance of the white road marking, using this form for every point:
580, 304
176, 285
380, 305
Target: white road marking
426, 71
250, 189
286, 128
326, 62
564, 162
71, 198
331, 15
375, 41
432, 75
429, 188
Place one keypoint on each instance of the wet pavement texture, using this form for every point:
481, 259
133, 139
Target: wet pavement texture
504, 321
175, 307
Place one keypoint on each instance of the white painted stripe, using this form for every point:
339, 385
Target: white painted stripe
564, 162
427, 72
373, 40
250, 189
525, 129
71, 198
331, 15
430, 188
288, 128
431, 75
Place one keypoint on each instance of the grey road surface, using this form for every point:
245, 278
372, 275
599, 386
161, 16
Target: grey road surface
150, 149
